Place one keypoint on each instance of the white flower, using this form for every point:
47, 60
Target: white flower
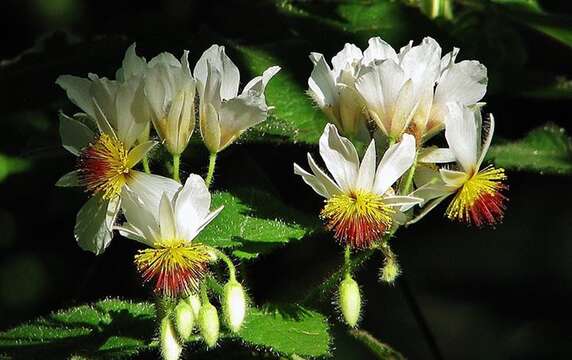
407, 92
103, 140
224, 114
360, 202
479, 197
333, 90
167, 222
170, 90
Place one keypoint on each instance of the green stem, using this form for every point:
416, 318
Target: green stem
407, 185
146, 167
210, 173
347, 262
176, 167
229, 265
204, 294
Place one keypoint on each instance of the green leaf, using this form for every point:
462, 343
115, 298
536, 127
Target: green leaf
110, 329
379, 349
11, 165
253, 222
547, 149
288, 329
294, 117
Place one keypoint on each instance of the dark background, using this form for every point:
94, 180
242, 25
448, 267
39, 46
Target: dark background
495, 294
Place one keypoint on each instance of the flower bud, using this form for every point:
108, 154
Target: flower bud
390, 270
350, 301
170, 347
184, 320
234, 305
209, 324
195, 302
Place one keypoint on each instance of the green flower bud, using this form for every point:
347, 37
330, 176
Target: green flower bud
350, 301
390, 270
195, 302
234, 305
184, 320
209, 324
170, 347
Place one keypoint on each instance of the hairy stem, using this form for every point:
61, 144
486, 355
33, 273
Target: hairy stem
229, 264
146, 167
176, 167
210, 173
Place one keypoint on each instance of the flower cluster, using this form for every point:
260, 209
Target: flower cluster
112, 135
398, 101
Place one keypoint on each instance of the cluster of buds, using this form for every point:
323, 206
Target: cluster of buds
399, 101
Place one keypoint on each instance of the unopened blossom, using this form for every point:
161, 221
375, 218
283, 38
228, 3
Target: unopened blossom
333, 90
360, 203
170, 90
224, 114
478, 194
104, 140
407, 91
167, 223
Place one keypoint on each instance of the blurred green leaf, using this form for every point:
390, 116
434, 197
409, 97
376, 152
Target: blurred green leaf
560, 88
288, 329
11, 165
547, 149
110, 329
379, 349
252, 222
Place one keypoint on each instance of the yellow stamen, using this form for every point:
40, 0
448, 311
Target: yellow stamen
357, 218
103, 166
176, 266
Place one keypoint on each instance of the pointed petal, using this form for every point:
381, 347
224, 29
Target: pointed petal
340, 157
488, 139
258, 84
465, 83
402, 200
312, 181
395, 162
74, 134
461, 135
435, 155
322, 84
192, 204
70, 179
138, 152
167, 220
77, 90
378, 50
366, 174
331, 187
453, 178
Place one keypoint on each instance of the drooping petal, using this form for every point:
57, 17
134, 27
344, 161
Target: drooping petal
453, 178
258, 84
402, 200
205, 221
239, 114
74, 134
340, 157
435, 155
313, 181
138, 153
461, 135
94, 223
330, 185
490, 129
77, 90
395, 162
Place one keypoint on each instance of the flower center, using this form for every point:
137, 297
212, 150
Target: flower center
480, 200
175, 266
103, 166
357, 218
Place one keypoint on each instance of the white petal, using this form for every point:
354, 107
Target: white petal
488, 138
330, 185
402, 200
238, 114
403, 109
77, 89
127, 124
395, 162
210, 217
340, 157
322, 84
346, 58
69, 180
378, 50
312, 181
141, 214
435, 155
74, 134
422, 63
461, 135
132, 65
167, 221
258, 84
230, 76
366, 174
465, 83
192, 204
94, 223
432, 191
131, 232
